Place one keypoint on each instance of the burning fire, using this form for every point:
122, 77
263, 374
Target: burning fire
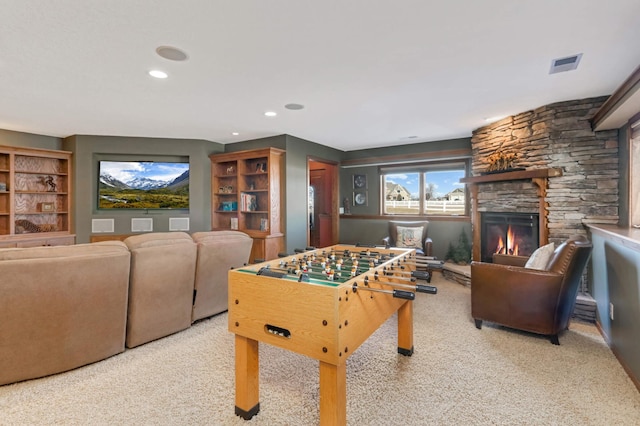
511, 247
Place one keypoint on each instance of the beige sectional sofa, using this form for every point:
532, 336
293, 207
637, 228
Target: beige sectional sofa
212, 268
163, 266
63, 307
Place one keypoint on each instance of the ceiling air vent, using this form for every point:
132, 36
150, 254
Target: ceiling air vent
565, 64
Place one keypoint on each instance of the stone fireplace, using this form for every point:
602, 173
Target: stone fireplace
568, 174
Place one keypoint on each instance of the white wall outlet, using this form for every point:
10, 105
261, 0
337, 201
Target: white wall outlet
611, 311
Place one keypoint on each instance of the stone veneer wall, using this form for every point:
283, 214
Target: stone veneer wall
554, 136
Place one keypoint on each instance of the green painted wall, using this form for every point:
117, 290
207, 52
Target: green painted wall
371, 231
295, 175
624, 156
416, 148
298, 152
616, 279
29, 140
88, 150
279, 142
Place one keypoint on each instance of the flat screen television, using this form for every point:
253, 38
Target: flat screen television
143, 185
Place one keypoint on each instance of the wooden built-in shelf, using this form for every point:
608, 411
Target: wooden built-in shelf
32, 179
256, 175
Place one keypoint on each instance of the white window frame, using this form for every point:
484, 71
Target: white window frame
421, 169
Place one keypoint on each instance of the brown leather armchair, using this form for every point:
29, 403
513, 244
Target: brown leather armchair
537, 301
423, 244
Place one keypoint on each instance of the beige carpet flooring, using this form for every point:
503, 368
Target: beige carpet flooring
458, 375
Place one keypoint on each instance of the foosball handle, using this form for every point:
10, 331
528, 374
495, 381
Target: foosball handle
420, 288
402, 294
269, 273
421, 275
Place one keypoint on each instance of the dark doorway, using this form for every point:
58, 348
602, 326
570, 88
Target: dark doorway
323, 205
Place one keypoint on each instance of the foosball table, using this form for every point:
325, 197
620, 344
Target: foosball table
323, 303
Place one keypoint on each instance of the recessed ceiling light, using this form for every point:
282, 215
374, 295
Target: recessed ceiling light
171, 53
270, 113
294, 107
235, 133
158, 74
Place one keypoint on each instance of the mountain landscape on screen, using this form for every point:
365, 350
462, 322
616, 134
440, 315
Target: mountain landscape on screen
143, 185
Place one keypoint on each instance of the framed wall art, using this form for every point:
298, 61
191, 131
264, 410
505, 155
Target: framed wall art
359, 181
47, 207
360, 198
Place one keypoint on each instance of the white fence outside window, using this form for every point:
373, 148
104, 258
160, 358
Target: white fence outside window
444, 207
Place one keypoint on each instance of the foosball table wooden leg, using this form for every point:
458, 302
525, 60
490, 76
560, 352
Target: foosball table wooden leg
247, 377
405, 328
333, 394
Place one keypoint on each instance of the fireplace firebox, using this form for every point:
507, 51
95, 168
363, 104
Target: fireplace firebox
508, 233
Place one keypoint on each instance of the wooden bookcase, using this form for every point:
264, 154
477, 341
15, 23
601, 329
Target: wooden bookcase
246, 195
35, 197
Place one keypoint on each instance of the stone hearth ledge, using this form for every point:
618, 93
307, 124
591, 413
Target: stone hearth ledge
457, 273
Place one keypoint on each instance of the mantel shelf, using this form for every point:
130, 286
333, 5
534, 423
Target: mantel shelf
517, 175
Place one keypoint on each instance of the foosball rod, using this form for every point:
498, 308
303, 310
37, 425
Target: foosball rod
310, 274
424, 264
418, 275
398, 294
346, 265
420, 288
348, 261
344, 260
377, 274
348, 252
281, 274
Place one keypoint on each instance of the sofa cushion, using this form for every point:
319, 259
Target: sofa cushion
540, 258
156, 239
218, 252
409, 237
160, 286
88, 249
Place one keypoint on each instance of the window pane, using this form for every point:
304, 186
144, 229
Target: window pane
444, 194
401, 193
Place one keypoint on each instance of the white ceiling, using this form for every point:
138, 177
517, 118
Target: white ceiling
370, 73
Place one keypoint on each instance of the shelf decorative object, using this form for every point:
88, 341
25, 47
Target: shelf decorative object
501, 162
47, 207
347, 205
49, 183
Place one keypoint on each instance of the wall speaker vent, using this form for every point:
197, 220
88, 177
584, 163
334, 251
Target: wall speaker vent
101, 225
141, 225
565, 64
178, 224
